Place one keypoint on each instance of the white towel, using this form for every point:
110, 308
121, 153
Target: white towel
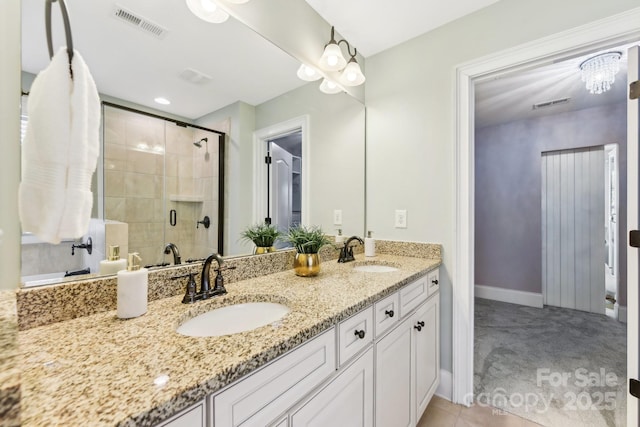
60, 151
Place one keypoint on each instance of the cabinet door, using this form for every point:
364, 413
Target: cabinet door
268, 392
393, 378
346, 401
426, 352
191, 417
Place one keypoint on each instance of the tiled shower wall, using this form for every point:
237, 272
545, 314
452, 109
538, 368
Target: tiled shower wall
152, 167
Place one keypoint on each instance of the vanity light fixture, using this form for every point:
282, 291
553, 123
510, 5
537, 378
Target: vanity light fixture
308, 74
332, 59
599, 72
209, 10
327, 86
161, 100
352, 74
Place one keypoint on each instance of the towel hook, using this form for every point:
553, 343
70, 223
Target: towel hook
67, 30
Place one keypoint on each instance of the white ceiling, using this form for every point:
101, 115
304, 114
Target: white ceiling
372, 26
135, 66
511, 96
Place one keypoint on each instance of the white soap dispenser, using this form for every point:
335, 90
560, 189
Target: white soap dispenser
369, 245
339, 236
113, 263
133, 284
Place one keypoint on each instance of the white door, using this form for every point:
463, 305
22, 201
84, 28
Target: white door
633, 198
573, 217
280, 173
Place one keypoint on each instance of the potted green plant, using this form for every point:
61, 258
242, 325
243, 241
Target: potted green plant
263, 236
307, 241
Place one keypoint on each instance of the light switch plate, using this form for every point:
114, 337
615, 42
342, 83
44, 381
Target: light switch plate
337, 217
401, 218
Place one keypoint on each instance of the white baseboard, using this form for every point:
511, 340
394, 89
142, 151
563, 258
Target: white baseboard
622, 314
445, 386
530, 299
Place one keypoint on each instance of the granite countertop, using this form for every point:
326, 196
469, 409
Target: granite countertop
101, 370
9, 368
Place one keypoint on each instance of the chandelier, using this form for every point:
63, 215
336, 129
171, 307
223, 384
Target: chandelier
599, 72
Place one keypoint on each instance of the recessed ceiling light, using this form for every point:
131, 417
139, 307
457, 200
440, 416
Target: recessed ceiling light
163, 101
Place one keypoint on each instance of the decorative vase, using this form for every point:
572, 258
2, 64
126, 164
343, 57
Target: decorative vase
263, 250
306, 265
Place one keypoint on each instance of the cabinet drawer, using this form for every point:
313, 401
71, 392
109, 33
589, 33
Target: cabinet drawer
387, 313
413, 295
190, 417
268, 392
433, 280
354, 334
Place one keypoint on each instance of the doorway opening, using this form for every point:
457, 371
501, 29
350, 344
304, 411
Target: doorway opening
593, 37
281, 173
284, 183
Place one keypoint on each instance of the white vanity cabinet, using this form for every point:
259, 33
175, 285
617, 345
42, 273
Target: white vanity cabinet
378, 367
346, 401
259, 398
193, 416
425, 353
407, 364
393, 377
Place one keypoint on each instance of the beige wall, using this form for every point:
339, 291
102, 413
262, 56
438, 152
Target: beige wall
9, 137
410, 102
336, 152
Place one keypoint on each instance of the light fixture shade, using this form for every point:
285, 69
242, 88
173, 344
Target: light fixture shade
207, 10
332, 58
308, 74
352, 74
329, 87
599, 72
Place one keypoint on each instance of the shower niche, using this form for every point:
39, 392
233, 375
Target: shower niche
162, 178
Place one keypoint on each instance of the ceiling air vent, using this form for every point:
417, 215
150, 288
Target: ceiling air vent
551, 103
138, 21
195, 76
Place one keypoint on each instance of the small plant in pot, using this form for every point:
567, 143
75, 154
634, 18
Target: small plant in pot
307, 241
263, 236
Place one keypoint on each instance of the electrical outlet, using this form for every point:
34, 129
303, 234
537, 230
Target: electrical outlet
337, 217
401, 218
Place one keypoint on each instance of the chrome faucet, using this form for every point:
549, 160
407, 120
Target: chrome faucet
176, 253
205, 286
346, 252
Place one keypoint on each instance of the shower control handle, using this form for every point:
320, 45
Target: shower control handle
206, 221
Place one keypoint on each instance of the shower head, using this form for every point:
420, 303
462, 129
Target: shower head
199, 143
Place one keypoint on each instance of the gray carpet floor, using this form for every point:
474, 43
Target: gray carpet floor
554, 366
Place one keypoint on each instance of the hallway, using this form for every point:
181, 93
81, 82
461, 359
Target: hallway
554, 366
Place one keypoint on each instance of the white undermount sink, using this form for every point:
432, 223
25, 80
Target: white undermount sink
233, 319
374, 268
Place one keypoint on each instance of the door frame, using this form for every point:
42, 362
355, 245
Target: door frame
260, 139
615, 30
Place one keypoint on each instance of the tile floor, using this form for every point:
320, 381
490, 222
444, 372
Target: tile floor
442, 413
